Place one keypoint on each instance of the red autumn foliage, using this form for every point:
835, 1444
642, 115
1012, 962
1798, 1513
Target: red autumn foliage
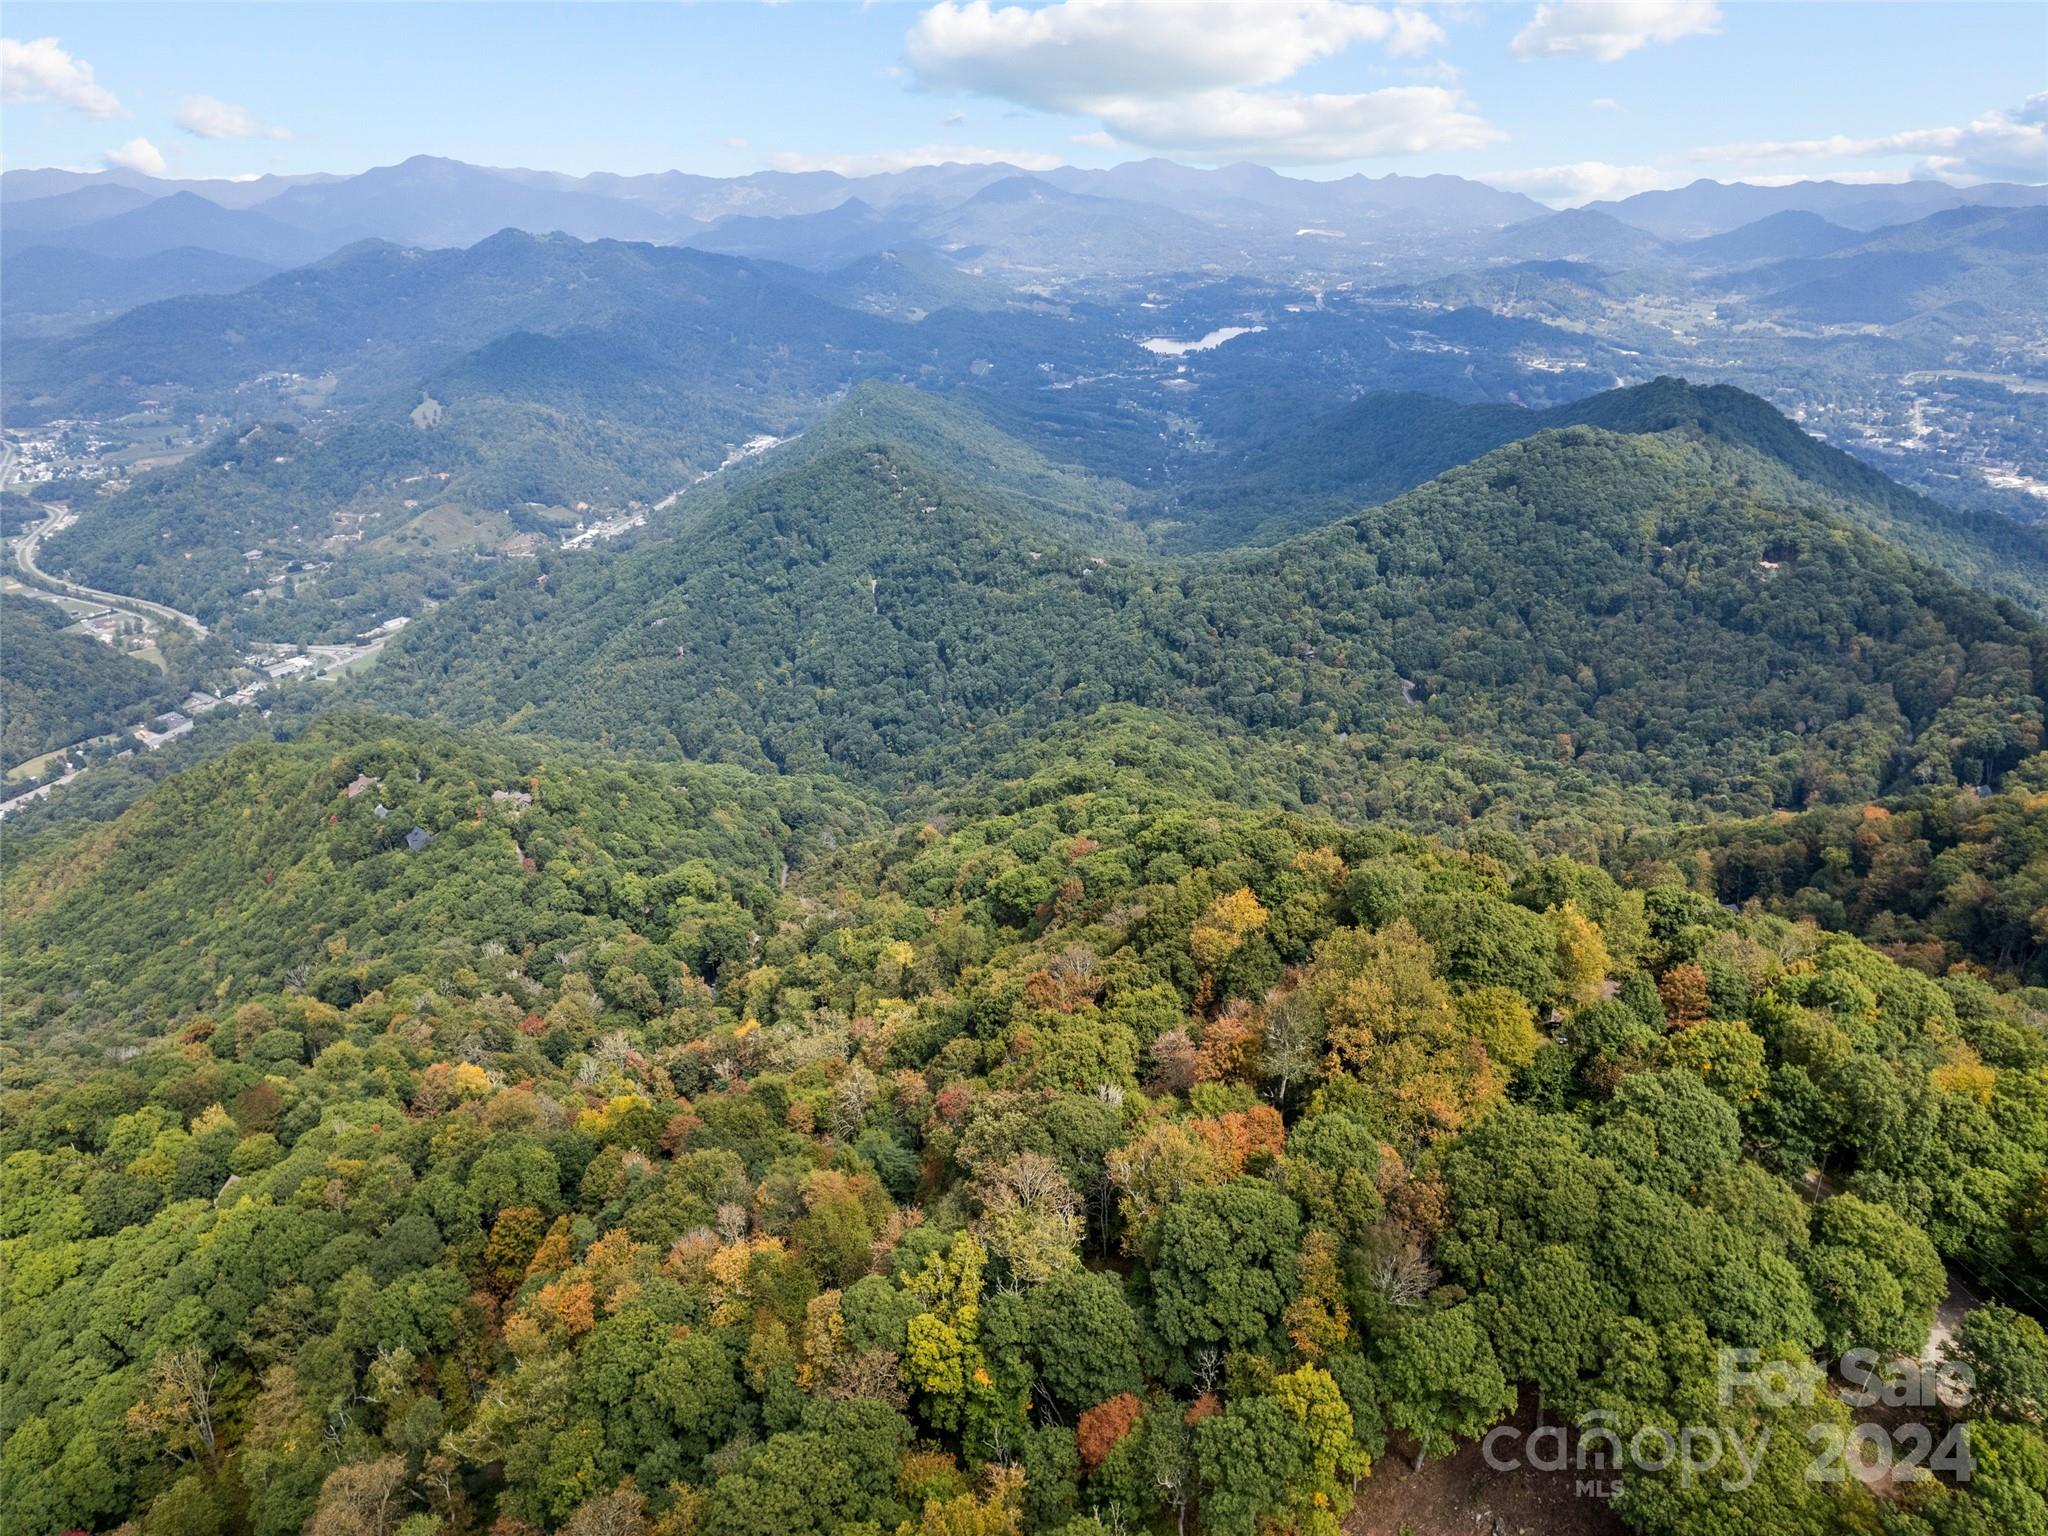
1105, 1424
952, 1101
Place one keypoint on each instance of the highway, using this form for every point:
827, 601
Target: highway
25, 557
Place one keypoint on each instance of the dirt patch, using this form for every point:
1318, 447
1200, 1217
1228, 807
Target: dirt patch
1462, 1496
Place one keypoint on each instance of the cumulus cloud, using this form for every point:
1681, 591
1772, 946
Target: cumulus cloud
211, 118
41, 71
1566, 186
882, 161
1290, 126
138, 154
1612, 29
1061, 58
1196, 81
1999, 145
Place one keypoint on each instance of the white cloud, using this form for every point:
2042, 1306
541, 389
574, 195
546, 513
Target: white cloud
41, 71
1435, 72
1566, 186
1997, 145
1296, 128
1612, 29
1190, 78
1604, 104
211, 118
882, 161
138, 154
1061, 58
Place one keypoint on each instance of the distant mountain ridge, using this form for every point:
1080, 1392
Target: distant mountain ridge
1703, 207
187, 221
1708, 207
1148, 216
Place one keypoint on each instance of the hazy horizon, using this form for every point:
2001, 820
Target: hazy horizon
1568, 103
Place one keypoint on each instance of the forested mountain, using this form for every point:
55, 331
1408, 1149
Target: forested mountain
23, 220
837, 237
1091, 1155
49, 285
1976, 261
522, 850
430, 201
1775, 237
379, 316
59, 688
1653, 616
187, 221
1388, 443
1577, 234
1070, 853
949, 436
442, 406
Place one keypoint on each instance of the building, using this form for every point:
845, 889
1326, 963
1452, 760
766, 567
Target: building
168, 727
417, 839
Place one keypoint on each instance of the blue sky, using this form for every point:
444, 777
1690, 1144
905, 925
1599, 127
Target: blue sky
1576, 99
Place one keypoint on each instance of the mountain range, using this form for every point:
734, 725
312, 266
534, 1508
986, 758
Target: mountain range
1058, 852
914, 607
464, 399
1239, 217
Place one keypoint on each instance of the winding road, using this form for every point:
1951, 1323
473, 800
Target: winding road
25, 557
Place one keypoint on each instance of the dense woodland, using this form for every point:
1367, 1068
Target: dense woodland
1089, 1155
61, 688
1947, 879
1094, 946
1591, 629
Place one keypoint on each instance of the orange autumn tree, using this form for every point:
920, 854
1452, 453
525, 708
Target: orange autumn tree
1683, 990
1394, 1035
1231, 1045
1101, 1427
1235, 1139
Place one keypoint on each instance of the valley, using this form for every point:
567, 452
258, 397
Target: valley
932, 842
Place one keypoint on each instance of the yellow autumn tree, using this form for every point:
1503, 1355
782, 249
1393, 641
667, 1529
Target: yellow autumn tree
1582, 959
1394, 1035
1317, 1321
1221, 931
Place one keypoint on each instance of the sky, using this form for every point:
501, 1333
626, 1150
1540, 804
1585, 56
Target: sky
1568, 100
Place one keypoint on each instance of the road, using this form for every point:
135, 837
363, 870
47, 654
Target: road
329, 659
29, 797
25, 557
